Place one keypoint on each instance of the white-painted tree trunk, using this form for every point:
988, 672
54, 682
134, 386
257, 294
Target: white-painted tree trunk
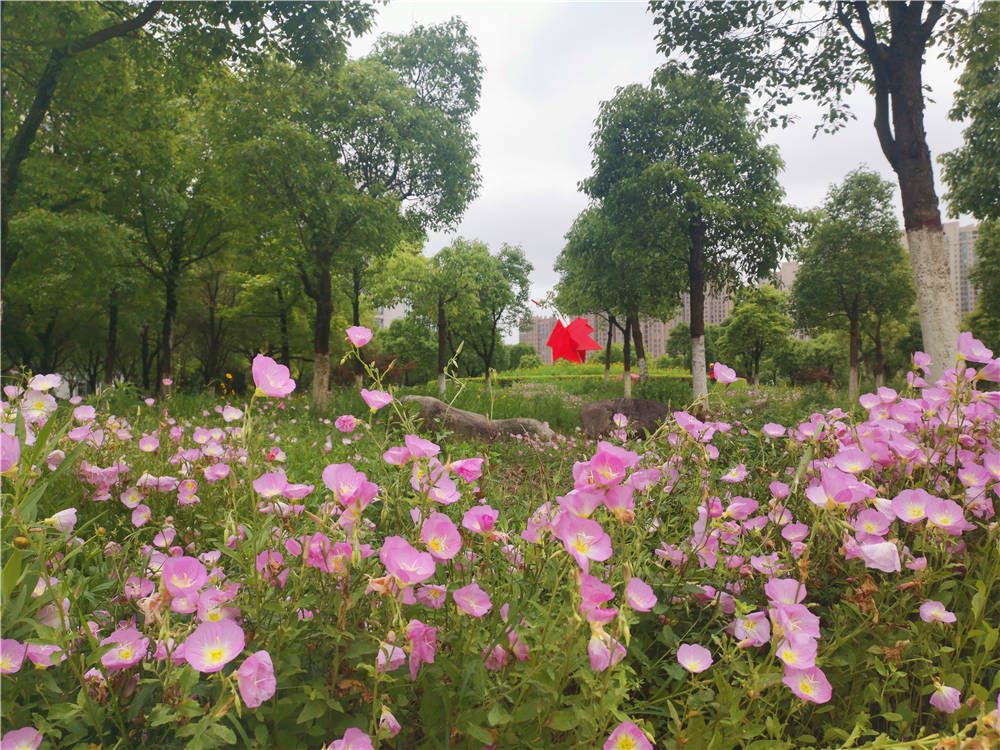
628, 384
643, 370
935, 297
699, 370
321, 380
852, 385
442, 386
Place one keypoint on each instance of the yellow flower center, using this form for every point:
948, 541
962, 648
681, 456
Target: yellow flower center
215, 655
125, 653
436, 544
581, 545
625, 743
806, 686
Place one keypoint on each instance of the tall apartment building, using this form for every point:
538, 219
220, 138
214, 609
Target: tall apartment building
961, 245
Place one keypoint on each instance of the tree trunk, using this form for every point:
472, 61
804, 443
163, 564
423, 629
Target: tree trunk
897, 69
359, 372
879, 356
167, 335
852, 388
111, 350
696, 281
442, 326
627, 352
640, 349
321, 340
145, 358
286, 353
607, 349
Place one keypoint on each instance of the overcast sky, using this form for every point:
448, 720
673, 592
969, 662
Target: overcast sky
549, 65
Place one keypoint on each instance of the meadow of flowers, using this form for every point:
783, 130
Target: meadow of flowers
257, 575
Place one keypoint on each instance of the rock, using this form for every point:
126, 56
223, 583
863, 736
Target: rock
643, 415
438, 414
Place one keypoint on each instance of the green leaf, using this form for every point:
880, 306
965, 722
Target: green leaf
312, 710
564, 720
498, 715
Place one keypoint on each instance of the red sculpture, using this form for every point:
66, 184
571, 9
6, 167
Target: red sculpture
572, 342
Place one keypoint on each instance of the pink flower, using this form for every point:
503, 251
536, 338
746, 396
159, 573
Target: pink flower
946, 699
480, 519
469, 469
910, 506
12, 655
932, 611
149, 443
639, 595
183, 576
627, 736
423, 645
421, 447
388, 723
346, 423
472, 600
231, 413
271, 378
375, 399
694, 658
215, 472
255, 678
593, 593
441, 536
736, 474
359, 335
128, 650
584, 539
785, 591
852, 460
972, 349
773, 430
724, 375
753, 630
799, 653
354, 739
26, 738
271, 484
604, 651
389, 658
10, 452
432, 596
809, 684
63, 521
405, 563
213, 645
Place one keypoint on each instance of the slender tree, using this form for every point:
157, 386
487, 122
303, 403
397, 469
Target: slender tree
822, 51
850, 266
681, 170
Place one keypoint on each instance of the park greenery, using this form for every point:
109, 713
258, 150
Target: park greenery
223, 524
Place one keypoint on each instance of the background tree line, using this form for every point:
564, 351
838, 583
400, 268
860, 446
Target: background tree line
186, 184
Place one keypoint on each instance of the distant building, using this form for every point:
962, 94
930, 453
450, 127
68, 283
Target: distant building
961, 245
385, 315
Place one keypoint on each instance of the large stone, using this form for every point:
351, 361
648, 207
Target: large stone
436, 414
643, 415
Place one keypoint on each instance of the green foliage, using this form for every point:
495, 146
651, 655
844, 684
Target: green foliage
973, 171
529, 361
758, 324
853, 273
985, 319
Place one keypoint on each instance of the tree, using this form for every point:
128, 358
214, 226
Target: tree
759, 323
680, 168
852, 264
500, 286
973, 171
44, 41
782, 49
602, 272
360, 161
437, 289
